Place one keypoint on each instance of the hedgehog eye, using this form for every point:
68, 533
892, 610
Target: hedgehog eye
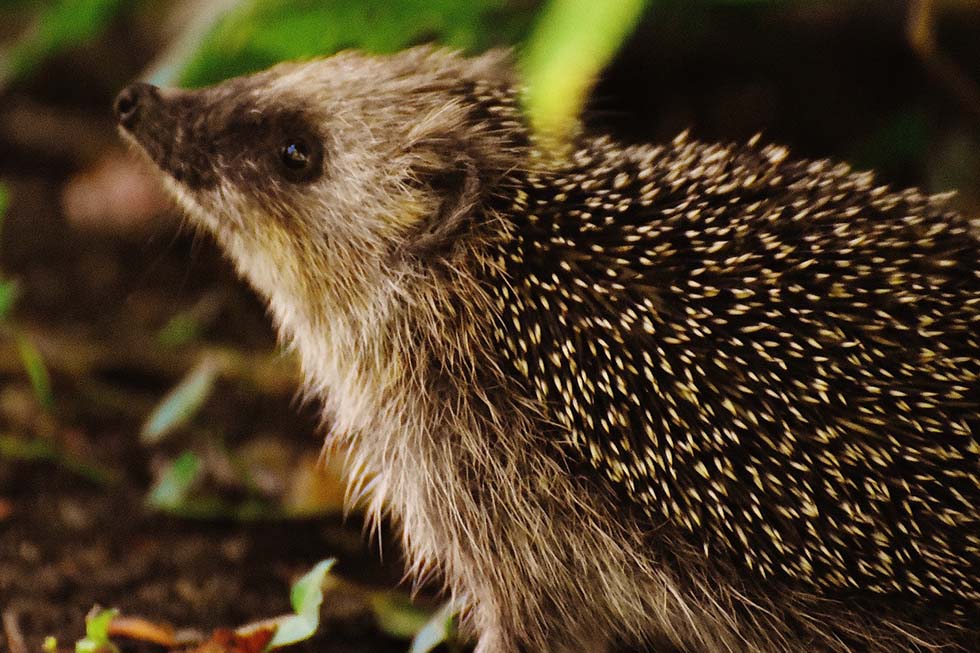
295, 155
299, 159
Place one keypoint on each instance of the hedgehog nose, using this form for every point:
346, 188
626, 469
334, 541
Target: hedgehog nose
130, 100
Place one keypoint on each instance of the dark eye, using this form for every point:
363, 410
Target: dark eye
300, 159
295, 155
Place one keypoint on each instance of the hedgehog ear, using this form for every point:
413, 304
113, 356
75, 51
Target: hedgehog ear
496, 65
458, 184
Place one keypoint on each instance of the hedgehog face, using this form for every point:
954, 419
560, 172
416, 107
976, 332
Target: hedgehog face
320, 168
222, 136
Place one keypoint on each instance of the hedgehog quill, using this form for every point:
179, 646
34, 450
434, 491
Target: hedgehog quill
687, 397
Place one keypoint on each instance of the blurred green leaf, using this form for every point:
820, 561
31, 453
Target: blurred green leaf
9, 288
40, 449
174, 485
4, 201
58, 26
180, 330
211, 507
440, 628
181, 403
397, 615
260, 33
306, 598
572, 42
175, 493
9, 292
37, 371
96, 638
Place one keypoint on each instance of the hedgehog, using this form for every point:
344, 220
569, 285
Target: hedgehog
692, 397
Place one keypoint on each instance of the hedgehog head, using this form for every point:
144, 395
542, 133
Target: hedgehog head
317, 175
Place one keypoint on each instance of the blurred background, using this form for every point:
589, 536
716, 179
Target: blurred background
152, 453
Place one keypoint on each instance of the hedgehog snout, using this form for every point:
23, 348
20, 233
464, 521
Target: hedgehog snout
132, 102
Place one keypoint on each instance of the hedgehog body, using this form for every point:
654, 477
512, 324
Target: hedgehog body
783, 359
692, 397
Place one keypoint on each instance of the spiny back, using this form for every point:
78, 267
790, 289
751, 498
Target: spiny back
775, 360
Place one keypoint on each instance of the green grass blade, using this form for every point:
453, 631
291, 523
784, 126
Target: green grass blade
181, 403
572, 43
174, 485
37, 371
439, 629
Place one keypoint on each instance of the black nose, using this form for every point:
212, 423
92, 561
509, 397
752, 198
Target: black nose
130, 100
